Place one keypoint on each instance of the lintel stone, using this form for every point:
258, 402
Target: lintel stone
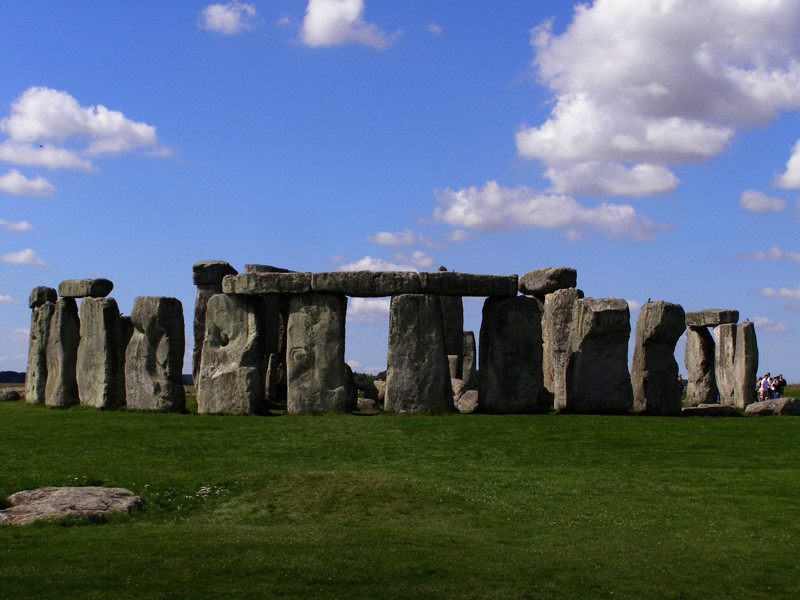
546, 281
451, 283
711, 317
85, 288
366, 284
40, 295
267, 283
210, 272
265, 269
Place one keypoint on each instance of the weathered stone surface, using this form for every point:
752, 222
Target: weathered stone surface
211, 272
698, 359
724, 354
711, 317
267, 283
315, 367
380, 386
366, 284
99, 370
511, 356
711, 410
654, 371
265, 269
41, 294
62, 354
418, 374
451, 283
233, 365
469, 364
556, 322
468, 402
453, 329
352, 388
597, 378
458, 388
154, 357
89, 502
36, 372
366, 404
85, 288
11, 394
202, 296
541, 282
776, 406
745, 365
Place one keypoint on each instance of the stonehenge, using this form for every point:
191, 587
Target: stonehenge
269, 337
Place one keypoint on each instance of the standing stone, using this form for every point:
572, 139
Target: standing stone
100, 375
41, 294
418, 375
453, 328
154, 357
654, 373
511, 356
724, 354
745, 365
36, 373
556, 323
315, 368
207, 276
469, 369
232, 370
699, 362
597, 377
62, 354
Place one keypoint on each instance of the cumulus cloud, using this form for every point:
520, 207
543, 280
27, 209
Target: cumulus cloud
15, 225
792, 294
49, 128
16, 183
756, 201
634, 305
772, 253
6, 299
231, 18
790, 178
338, 22
767, 325
417, 259
638, 86
369, 263
367, 310
24, 257
400, 238
460, 235
497, 208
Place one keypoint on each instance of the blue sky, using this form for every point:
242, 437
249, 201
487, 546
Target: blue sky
650, 144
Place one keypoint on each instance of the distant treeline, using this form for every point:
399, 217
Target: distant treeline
12, 377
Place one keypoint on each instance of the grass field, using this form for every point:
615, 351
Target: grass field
459, 506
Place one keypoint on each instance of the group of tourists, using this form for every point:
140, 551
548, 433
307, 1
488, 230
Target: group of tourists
770, 387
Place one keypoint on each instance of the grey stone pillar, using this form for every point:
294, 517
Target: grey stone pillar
62, 354
453, 330
597, 377
511, 356
724, 353
654, 373
42, 302
154, 358
469, 370
745, 365
315, 369
232, 368
699, 362
207, 275
100, 374
418, 374
556, 323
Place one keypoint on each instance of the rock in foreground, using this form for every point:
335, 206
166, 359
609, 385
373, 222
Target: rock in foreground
92, 503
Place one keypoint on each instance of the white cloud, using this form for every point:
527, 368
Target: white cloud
793, 294
790, 178
767, 325
772, 253
497, 208
418, 259
43, 120
756, 201
460, 235
231, 18
6, 299
634, 305
16, 226
369, 263
337, 22
400, 238
658, 83
16, 183
24, 257
613, 179
368, 310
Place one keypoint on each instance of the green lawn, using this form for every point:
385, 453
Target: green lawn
458, 506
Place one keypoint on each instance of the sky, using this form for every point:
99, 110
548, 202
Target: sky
653, 145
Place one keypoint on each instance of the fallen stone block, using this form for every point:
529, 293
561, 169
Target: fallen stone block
711, 410
468, 402
11, 395
85, 288
90, 502
775, 406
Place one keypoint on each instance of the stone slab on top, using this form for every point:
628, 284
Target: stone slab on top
366, 284
257, 284
546, 281
711, 317
85, 288
451, 283
209, 272
41, 294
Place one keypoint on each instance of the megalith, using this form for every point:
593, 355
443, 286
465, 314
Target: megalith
315, 368
724, 353
418, 374
154, 358
597, 377
85, 288
699, 362
469, 365
232, 369
62, 354
654, 371
42, 302
207, 275
745, 365
99, 372
541, 282
556, 322
510, 352
453, 329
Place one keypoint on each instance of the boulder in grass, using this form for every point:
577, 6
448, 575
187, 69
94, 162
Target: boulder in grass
711, 410
775, 406
11, 394
91, 502
468, 401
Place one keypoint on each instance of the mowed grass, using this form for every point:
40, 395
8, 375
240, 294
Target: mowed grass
458, 506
